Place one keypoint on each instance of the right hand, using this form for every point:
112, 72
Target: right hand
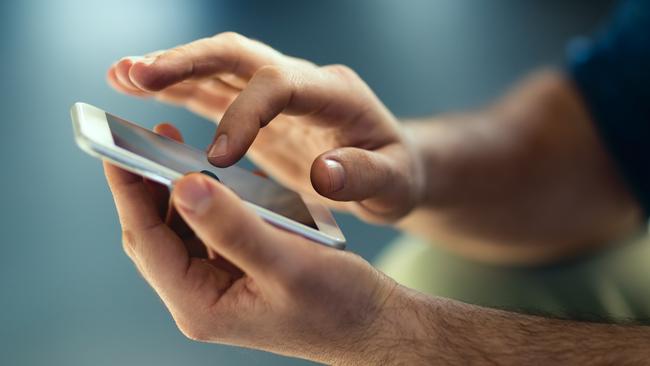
315, 129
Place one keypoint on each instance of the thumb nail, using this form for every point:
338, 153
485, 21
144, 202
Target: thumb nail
336, 174
193, 195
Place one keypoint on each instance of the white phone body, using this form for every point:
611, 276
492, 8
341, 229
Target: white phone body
94, 132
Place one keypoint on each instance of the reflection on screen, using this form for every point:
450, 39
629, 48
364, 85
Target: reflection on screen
185, 159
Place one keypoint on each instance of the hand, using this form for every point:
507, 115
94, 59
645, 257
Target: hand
314, 129
229, 277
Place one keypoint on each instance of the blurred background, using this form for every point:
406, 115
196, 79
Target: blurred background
69, 296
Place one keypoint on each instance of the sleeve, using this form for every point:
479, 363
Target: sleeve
612, 72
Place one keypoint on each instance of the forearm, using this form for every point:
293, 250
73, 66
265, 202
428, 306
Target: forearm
525, 180
417, 329
487, 147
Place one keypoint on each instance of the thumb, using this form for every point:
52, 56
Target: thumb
224, 224
353, 174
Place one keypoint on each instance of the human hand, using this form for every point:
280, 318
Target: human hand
314, 129
229, 277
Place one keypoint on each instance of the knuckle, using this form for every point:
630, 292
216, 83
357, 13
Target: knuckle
179, 51
343, 71
229, 37
273, 73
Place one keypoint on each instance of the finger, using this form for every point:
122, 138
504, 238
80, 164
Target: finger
225, 53
111, 77
376, 180
154, 54
160, 192
138, 202
168, 130
352, 174
159, 195
218, 86
159, 254
296, 91
135, 206
208, 101
172, 219
141, 226
122, 68
226, 225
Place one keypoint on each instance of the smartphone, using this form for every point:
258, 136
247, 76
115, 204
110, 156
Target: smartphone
164, 160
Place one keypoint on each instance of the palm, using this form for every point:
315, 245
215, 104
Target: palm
225, 285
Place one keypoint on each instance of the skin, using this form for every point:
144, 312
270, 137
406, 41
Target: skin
523, 181
317, 113
231, 278
484, 183
228, 277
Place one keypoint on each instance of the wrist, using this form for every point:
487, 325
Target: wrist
404, 332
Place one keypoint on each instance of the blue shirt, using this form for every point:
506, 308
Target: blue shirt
612, 72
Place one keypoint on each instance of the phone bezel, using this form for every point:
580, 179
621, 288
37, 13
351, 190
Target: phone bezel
93, 135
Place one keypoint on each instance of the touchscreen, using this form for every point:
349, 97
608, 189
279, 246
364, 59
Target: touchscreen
184, 159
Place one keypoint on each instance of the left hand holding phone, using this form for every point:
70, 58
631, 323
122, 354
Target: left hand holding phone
229, 277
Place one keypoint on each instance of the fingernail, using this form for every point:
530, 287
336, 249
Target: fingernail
193, 196
336, 173
220, 147
147, 60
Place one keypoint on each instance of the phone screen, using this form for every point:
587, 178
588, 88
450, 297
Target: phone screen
185, 159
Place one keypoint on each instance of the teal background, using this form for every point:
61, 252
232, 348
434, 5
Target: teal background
68, 295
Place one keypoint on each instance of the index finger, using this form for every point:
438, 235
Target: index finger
181, 281
333, 94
